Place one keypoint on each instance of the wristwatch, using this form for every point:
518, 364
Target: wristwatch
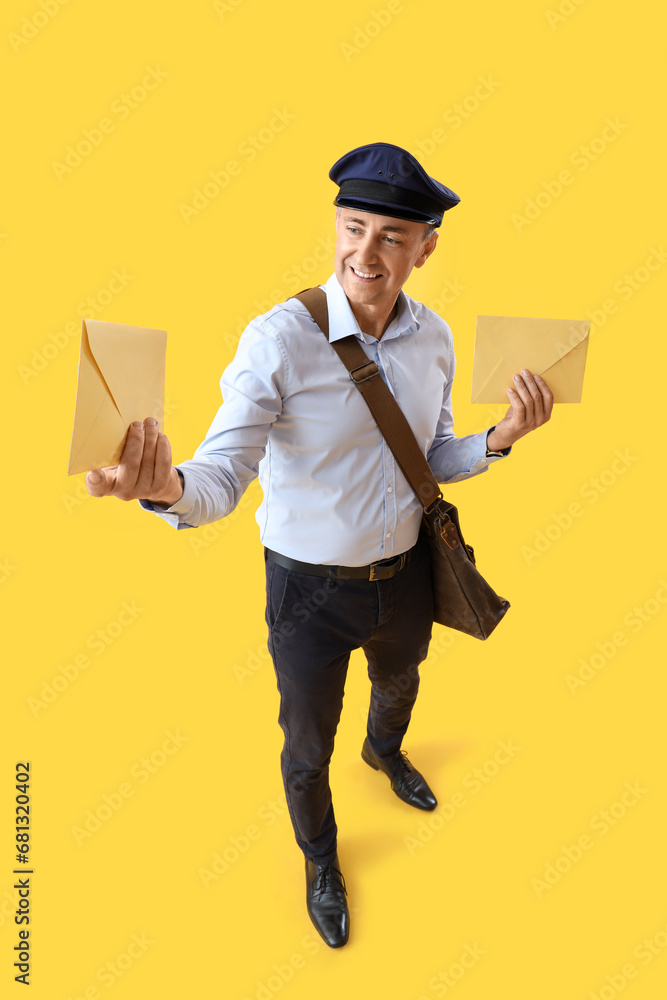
496, 454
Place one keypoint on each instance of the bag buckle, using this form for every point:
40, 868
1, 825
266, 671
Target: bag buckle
361, 368
449, 534
429, 509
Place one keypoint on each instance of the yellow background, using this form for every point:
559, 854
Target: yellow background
570, 527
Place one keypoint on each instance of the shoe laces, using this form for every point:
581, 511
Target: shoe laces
405, 773
329, 877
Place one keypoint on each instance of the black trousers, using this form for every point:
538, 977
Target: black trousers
314, 625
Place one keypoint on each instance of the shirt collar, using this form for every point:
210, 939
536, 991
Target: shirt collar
343, 323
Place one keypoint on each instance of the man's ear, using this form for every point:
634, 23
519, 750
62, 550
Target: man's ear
427, 250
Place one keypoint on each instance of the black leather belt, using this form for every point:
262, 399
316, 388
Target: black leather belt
382, 570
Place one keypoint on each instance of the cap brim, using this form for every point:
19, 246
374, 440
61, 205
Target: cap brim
384, 208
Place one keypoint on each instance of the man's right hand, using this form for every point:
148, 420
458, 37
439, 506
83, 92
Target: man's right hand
145, 471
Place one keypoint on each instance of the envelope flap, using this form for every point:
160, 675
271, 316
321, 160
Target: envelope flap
536, 344
129, 359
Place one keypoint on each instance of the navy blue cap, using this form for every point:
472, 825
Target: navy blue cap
387, 180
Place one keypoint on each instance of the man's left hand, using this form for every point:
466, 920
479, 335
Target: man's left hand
531, 403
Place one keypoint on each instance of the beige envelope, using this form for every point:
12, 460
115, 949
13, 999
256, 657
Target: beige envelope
553, 348
121, 379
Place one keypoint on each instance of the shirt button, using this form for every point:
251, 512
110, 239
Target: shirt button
388, 535
389, 490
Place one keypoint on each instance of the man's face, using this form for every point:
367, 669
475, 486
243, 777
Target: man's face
376, 253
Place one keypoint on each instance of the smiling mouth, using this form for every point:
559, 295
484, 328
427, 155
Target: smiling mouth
365, 275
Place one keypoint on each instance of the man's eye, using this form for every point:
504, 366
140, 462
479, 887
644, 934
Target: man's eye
351, 229
390, 240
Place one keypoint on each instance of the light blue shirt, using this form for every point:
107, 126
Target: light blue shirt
333, 492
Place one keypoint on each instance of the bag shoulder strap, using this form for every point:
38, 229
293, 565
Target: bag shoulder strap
387, 413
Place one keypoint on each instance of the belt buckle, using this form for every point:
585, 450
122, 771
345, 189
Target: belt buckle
376, 569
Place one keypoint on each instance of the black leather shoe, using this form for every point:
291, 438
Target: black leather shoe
325, 898
405, 779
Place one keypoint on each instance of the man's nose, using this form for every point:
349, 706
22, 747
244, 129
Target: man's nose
367, 250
